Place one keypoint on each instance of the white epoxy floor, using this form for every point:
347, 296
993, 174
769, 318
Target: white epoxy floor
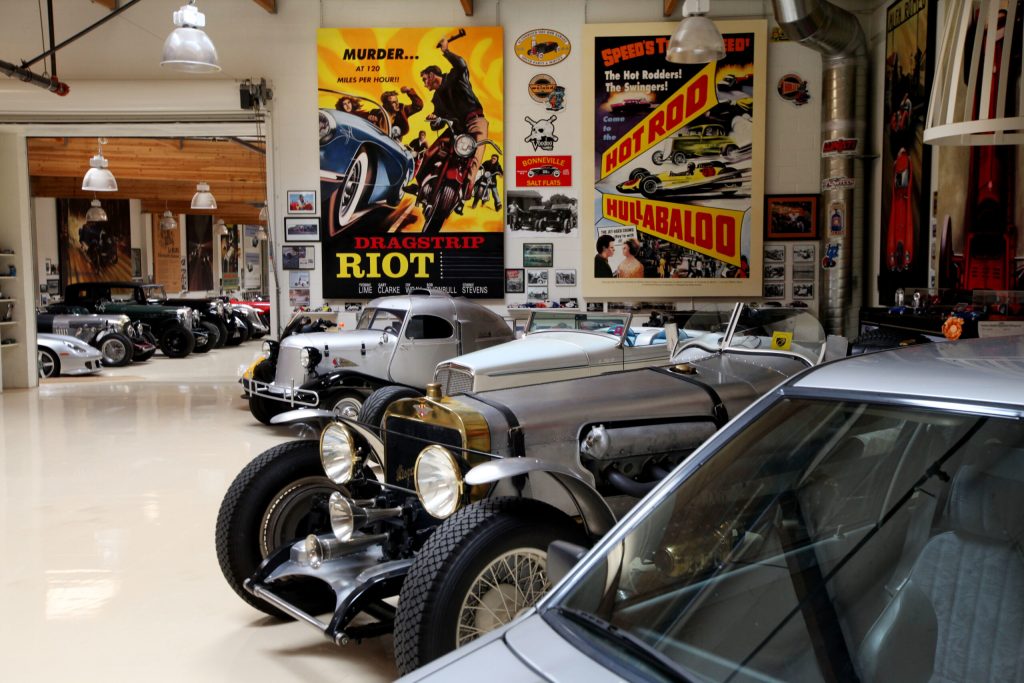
109, 490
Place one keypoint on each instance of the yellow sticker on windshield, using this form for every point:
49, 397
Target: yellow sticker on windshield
781, 341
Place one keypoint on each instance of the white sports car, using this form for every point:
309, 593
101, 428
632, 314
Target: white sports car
60, 354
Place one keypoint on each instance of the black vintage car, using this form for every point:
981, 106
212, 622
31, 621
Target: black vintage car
218, 317
178, 330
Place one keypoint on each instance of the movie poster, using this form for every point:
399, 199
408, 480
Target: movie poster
93, 251
199, 248
412, 170
677, 173
229, 258
252, 251
167, 255
905, 243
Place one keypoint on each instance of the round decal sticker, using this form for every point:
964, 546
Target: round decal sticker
542, 46
541, 87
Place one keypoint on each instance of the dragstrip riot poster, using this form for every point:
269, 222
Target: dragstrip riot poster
677, 174
411, 161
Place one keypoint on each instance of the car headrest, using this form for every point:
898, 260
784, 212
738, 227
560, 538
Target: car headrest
988, 501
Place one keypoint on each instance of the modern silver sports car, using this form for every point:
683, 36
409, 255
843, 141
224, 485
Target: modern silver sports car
59, 354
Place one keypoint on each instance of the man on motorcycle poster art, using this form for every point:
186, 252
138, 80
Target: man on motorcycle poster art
455, 100
399, 112
487, 183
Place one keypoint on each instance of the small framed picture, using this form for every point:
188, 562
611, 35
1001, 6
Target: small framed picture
297, 258
775, 271
538, 254
791, 217
803, 290
595, 307
302, 229
302, 202
515, 282
775, 252
353, 307
536, 293
536, 278
570, 302
565, 278
803, 253
774, 290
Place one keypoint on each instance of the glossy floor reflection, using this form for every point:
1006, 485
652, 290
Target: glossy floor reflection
109, 491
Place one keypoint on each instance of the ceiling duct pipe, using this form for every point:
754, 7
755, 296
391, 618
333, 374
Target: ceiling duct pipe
837, 35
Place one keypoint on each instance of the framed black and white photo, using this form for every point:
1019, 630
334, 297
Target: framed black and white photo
775, 271
774, 290
302, 202
536, 278
515, 281
531, 211
569, 302
803, 290
353, 307
775, 252
538, 254
536, 293
595, 307
803, 253
302, 229
297, 258
565, 278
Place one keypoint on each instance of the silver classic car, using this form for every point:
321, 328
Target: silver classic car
862, 522
60, 354
120, 340
454, 497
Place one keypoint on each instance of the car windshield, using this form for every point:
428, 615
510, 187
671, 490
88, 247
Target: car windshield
358, 106
821, 542
380, 319
779, 330
155, 292
615, 324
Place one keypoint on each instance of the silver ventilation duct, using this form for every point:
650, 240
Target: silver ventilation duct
837, 35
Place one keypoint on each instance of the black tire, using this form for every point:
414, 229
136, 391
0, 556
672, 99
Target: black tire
658, 158
446, 201
48, 362
649, 187
213, 332
222, 332
678, 158
142, 356
204, 342
729, 152
238, 335
376, 403
263, 409
430, 606
639, 173
268, 505
151, 338
117, 350
177, 342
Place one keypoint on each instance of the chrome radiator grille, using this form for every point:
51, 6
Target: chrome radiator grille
289, 369
454, 381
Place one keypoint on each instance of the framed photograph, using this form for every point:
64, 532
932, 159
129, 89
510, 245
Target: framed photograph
775, 271
803, 253
803, 290
791, 217
538, 254
774, 290
302, 229
595, 307
515, 281
353, 307
775, 252
570, 302
536, 293
535, 278
302, 202
565, 278
297, 258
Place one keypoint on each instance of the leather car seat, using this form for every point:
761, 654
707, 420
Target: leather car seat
960, 614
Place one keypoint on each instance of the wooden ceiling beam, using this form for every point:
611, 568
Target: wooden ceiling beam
269, 5
231, 213
109, 4
467, 7
670, 7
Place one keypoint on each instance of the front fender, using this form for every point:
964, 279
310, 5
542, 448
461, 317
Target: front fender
346, 378
597, 516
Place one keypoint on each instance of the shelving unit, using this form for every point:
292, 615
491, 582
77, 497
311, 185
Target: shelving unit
17, 359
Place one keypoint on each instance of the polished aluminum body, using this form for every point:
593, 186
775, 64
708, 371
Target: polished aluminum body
76, 357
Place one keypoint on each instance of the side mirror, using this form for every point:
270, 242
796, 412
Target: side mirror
562, 557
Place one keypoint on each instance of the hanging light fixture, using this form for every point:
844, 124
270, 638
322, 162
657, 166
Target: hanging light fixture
696, 40
264, 213
220, 228
96, 213
975, 98
261, 233
98, 178
203, 199
188, 48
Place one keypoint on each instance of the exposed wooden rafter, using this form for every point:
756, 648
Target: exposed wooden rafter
109, 4
467, 7
670, 7
269, 5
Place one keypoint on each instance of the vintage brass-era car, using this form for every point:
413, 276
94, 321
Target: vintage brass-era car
862, 522
456, 498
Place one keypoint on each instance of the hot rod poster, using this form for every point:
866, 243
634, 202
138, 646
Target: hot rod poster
677, 170
411, 161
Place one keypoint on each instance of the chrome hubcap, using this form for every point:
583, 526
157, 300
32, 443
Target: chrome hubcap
114, 351
46, 364
506, 587
347, 407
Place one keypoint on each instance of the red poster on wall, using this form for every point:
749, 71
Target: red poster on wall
544, 171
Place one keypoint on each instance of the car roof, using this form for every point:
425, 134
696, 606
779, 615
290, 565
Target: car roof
976, 370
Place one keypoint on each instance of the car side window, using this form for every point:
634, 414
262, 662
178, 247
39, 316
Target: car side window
429, 327
122, 294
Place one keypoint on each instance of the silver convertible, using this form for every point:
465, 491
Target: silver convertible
457, 497
862, 522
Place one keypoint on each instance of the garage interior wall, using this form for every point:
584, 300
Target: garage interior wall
282, 49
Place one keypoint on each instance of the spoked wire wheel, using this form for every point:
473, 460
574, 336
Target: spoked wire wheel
511, 583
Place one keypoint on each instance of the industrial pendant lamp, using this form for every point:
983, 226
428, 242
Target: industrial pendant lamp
98, 178
265, 213
203, 199
975, 94
261, 233
220, 228
696, 40
96, 213
188, 48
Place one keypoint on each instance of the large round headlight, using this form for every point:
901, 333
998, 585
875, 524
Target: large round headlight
438, 481
327, 127
268, 348
465, 146
309, 358
338, 453
342, 518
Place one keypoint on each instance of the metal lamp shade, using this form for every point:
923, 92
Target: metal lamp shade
96, 213
696, 41
220, 228
203, 199
168, 221
264, 213
975, 99
190, 49
98, 178
261, 234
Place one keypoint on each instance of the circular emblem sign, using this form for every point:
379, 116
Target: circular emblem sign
541, 87
542, 47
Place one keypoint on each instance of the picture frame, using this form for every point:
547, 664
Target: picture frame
538, 254
302, 229
302, 202
565, 278
515, 281
791, 217
537, 277
297, 258
536, 294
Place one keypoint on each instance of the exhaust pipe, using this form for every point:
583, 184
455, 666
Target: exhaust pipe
837, 35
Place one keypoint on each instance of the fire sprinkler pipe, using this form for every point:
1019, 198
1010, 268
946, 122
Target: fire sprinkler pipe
837, 35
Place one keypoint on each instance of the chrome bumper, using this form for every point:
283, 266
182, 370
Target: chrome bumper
292, 395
